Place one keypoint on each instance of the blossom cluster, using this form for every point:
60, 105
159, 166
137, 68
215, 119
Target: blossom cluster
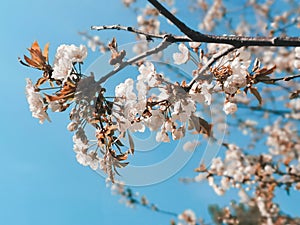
152, 101
36, 103
66, 56
259, 174
230, 73
165, 110
249, 173
63, 74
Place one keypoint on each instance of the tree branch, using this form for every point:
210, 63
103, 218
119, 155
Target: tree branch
237, 41
212, 60
280, 78
267, 110
168, 40
136, 31
129, 29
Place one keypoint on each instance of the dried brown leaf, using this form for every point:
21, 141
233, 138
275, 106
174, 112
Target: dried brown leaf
131, 143
201, 126
255, 92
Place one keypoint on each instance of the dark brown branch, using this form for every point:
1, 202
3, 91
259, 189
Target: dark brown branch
168, 40
237, 41
181, 26
171, 39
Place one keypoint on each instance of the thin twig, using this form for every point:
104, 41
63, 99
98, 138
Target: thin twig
163, 45
155, 209
237, 41
212, 60
129, 29
136, 31
281, 78
260, 109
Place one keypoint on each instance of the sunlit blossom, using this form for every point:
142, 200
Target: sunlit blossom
35, 101
182, 56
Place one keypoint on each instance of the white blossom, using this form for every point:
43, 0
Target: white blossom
238, 176
297, 52
243, 196
93, 161
188, 216
65, 56
155, 121
122, 122
262, 207
217, 165
62, 68
35, 102
297, 63
125, 90
225, 183
182, 56
80, 149
148, 77
229, 108
200, 92
169, 125
162, 136
137, 127
234, 82
200, 177
178, 133
55, 106
72, 126
269, 170
218, 190
211, 181
194, 44
83, 158
183, 109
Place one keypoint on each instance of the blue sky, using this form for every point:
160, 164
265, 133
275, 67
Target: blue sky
41, 182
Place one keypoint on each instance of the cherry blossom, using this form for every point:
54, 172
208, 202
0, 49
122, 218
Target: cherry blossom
229, 107
162, 136
254, 78
183, 56
65, 56
35, 101
201, 92
188, 216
